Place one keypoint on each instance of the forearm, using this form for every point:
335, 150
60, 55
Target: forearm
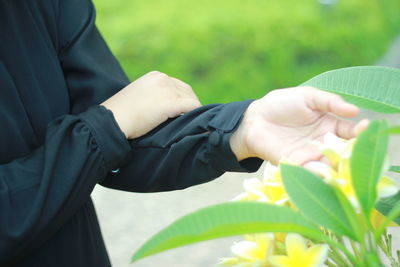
191, 149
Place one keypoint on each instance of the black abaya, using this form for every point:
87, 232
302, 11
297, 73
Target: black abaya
56, 143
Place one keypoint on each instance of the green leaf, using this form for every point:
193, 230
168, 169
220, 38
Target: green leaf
394, 169
229, 219
391, 216
367, 162
370, 87
385, 205
317, 200
357, 225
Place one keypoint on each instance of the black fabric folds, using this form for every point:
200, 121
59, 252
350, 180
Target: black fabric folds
57, 143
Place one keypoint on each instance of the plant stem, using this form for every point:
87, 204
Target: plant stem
329, 263
385, 244
337, 257
350, 257
355, 249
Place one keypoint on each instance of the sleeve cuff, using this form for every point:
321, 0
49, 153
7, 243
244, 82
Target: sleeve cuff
224, 124
109, 137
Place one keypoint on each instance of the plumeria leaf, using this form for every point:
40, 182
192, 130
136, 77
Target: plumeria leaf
367, 163
390, 217
228, 219
395, 169
359, 229
385, 205
371, 87
317, 200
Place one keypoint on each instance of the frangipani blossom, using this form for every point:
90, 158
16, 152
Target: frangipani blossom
299, 254
335, 148
251, 252
270, 189
387, 187
338, 152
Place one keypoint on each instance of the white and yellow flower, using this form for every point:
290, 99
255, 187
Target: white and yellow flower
270, 189
335, 148
338, 152
254, 251
299, 254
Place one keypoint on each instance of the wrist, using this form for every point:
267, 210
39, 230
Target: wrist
238, 140
234, 142
123, 126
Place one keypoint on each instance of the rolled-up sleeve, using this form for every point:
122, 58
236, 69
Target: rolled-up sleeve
191, 149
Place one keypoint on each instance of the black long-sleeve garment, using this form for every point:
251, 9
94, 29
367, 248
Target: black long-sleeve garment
56, 143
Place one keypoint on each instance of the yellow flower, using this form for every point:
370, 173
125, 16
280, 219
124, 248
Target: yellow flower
298, 254
251, 252
334, 148
387, 187
270, 189
341, 177
324, 170
338, 151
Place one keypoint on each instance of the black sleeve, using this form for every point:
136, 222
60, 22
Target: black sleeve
181, 152
189, 150
41, 191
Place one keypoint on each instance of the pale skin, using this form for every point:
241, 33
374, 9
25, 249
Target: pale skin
282, 124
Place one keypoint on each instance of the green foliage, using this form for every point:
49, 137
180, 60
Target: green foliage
367, 162
395, 169
233, 49
370, 87
392, 215
318, 201
385, 205
225, 220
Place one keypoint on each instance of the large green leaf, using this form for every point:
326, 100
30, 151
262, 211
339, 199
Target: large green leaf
385, 205
367, 162
317, 200
225, 220
370, 87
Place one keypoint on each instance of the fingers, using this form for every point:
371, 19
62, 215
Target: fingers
327, 102
346, 129
361, 126
184, 89
188, 99
184, 99
349, 129
185, 105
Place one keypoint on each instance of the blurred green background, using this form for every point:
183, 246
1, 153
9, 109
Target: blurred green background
231, 50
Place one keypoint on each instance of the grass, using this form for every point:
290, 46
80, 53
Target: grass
231, 50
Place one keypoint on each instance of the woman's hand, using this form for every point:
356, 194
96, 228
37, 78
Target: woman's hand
150, 101
282, 124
